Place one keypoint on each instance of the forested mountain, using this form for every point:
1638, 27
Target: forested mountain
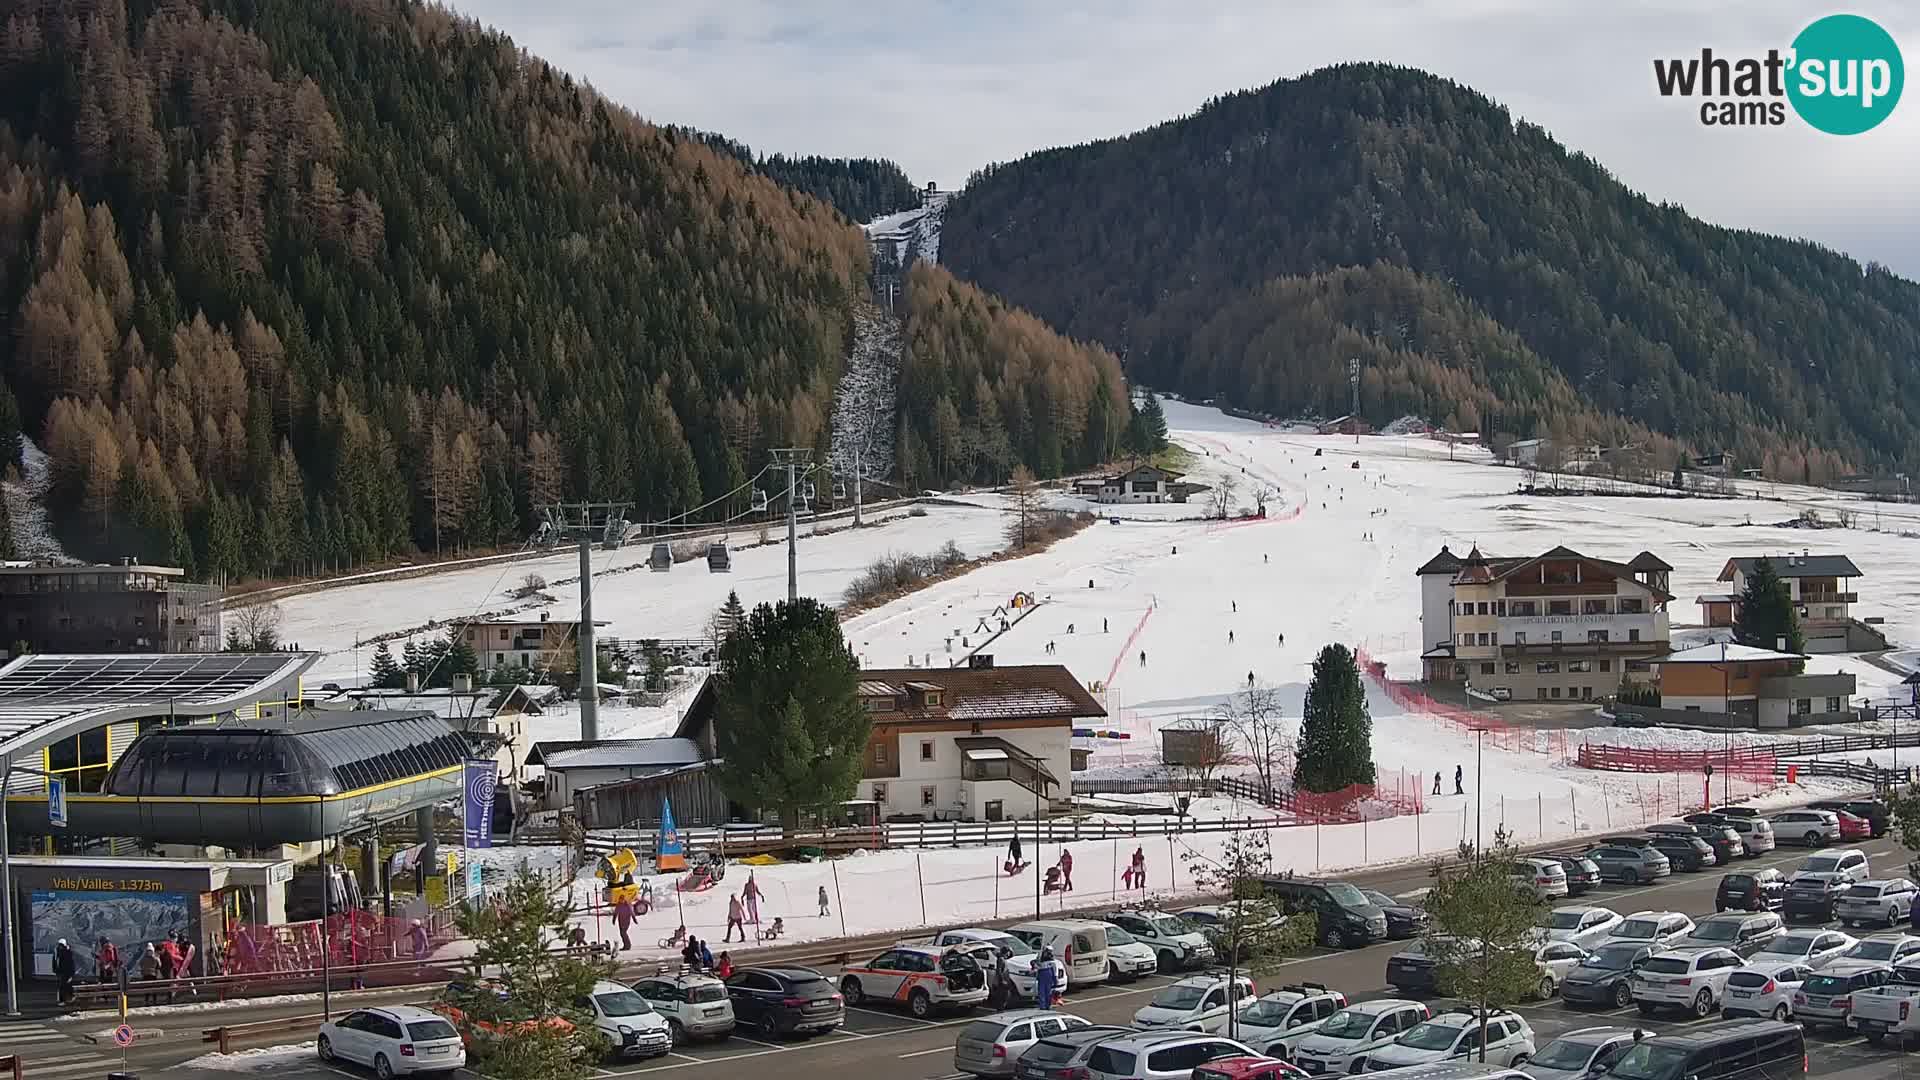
294, 285
1484, 273
860, 188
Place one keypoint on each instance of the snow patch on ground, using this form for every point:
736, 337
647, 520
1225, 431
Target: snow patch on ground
258, 1059
33, 537
863, 408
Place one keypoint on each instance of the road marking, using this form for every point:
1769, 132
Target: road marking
757, 1042
924, 1053
37, 1069
891, 1016
690, 1057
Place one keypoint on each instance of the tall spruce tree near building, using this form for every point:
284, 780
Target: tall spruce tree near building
385, 673
1147, 431
1766, 612
788, 723
1336, 731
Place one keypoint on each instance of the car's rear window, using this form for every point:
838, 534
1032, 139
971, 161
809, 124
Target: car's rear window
811, 988
706, 992
1739, 881
1747, 978
1864, 892
983, 1030
429, 1030
1049, 1052
1666, 965
1105, 1059
1827, 984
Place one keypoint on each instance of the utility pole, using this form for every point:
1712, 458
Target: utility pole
856, 485
587, 522
798, 461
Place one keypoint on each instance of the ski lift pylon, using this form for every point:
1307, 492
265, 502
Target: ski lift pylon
719, 559
660, 559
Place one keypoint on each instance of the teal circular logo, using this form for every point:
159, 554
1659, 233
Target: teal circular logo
1846, 76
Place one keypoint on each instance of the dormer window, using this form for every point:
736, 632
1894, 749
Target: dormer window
933, 699
879, 704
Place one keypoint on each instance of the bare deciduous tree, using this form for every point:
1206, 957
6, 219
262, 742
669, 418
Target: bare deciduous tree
1221, 501
254, 629
1194, 748
531, 585
1259, 725
1024, 494
1262, 494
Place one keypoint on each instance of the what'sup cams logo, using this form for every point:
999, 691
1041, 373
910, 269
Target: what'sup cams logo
1842, 75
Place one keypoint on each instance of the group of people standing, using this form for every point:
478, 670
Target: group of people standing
165, 960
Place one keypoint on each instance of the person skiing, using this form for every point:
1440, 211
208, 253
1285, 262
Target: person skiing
1236, 607
1143, 658
1047, 983
63, 970
1436, 781
1103, 626
1069, 628
736, 918
824, 909
622, 918
1459, 780
1283, 639
1249, 679
1229, 637
752, 895
1263, 558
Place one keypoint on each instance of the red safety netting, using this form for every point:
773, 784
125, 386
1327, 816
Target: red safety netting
356, 937
1499, 734
1390, 796
1740, 762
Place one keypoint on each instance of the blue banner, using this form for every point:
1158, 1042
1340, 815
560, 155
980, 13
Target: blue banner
672, 854
477, 787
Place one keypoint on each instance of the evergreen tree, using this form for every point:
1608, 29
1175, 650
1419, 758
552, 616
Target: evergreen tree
412, 662
7, 549
1766, 611
1336, 731
788, 722
383, 672
1153, 425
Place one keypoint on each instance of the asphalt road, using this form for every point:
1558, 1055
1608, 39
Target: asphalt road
877, 1044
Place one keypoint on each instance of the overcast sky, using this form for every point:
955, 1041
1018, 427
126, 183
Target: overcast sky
946, 87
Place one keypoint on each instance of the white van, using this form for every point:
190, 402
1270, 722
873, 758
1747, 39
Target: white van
1079, 943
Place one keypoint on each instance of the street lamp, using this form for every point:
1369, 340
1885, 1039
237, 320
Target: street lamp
1479, 748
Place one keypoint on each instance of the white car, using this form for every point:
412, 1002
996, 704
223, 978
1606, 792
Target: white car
1814, 828
1176, 943
992, 1045
695, 1006
1658, 929
1692, 979
1814, 948
1279, 1019
1850, 864
1542, 879
631, 1027
1455, 1035
393, 1039
1895, 949
926, 977
1196, 1003
1583, 926
1017, 960
1341, 1043
1128, 958
1764, 990
1556, 959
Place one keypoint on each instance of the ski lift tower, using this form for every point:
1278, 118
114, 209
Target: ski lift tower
1353, 377
798, 462
587, 523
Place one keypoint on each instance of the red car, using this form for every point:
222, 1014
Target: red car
1854, 828
1249, 1068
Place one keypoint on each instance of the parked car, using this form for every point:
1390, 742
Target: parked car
1456, 1033
1628, 864
393, 1039
1814, 948
1128, 958
1878, 816
1081, 944
1888, 1009
1340, 1045
1583, 874
1735, 812
991, 1045
1403, 920
1347, 917
1582, 925
1814, 828
1767, 1050
629, 1024
1689, 854
1745, 932
1691, 979
1158, 1055
696, 1006
1850, 863
776, 999
1014, 974
1888, 901
1657, 928
908, 973
1177, 944
1827, 996
1542, 879
1763, 889
1605, 976
1582, 1054
1413, 970
1895, 949
1195, 1003
1215, 921
1247, 1068
1279, 1019
1057, 1057
1556, 960
1853, 828
1755, 834
1811, 896
1722, 839
1764, 989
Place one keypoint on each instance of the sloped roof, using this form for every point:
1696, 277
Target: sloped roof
1801, 566
1501, 568
1733, 654
614, 753
1028, 691
1647, 560
1444, 563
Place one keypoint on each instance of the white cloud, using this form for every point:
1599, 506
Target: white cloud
945, 87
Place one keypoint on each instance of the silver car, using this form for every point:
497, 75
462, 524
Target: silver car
1631, 864
1887, 902
991, 1045
1814, 828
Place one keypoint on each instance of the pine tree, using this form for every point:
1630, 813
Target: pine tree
454, 656
384, 673
1336, 731
1153, 425
1766, 611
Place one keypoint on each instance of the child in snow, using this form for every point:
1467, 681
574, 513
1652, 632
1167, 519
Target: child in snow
824, 909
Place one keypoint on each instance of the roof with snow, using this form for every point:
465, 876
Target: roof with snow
1726, 654
1444, 563
1796, 566
1478, 569
614, 753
